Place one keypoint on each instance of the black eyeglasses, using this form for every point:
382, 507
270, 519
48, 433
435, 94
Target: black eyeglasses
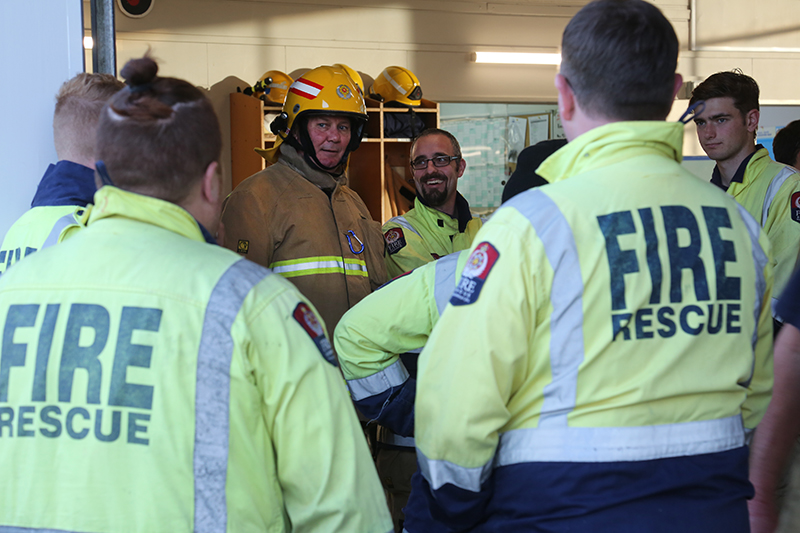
438, 161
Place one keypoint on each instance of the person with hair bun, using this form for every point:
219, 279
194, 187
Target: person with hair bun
153, 382
68, 186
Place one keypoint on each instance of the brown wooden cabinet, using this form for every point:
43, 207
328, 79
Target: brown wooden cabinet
378, 170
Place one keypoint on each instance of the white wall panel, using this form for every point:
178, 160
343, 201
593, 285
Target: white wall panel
41, 42
185, 60
246, 61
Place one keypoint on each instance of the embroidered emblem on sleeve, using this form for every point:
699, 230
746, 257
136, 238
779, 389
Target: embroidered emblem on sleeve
480, 263
796, 207
243, 247
308, 321
395, 240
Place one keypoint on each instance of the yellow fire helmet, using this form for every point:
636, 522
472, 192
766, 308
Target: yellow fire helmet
322, 91
273, 85
353, 74
396, 84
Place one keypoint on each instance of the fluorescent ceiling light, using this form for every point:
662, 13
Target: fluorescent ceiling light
88, 43
517, 58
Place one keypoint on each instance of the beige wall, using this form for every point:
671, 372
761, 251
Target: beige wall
208, 41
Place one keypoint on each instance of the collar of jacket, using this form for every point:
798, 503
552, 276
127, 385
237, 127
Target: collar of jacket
463, 214
328, 183
65, 183
738, 176
611, 143
111, 202
758, 161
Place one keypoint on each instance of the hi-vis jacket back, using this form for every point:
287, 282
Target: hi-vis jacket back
152, 383
38, 228
618, 333
56, 212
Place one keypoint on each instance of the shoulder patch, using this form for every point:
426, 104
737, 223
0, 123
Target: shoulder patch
796, 206
243, 247
308, 321
395, 240
476, 270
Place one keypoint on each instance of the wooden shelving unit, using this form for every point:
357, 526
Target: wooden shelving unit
378, 169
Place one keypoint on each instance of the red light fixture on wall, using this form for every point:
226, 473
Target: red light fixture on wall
135, 8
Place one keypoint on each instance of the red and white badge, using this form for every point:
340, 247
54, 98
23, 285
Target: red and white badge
479, 265
395, 240
795, 207
308, 321
305, 88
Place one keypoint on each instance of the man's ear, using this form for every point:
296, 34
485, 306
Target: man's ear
462, 166
566, 98
212, 184
751, 119
677, 86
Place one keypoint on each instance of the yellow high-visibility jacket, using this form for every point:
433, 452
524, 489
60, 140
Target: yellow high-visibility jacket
56, 212
152, 382
767, 190
613, 325
393, 321
425, 234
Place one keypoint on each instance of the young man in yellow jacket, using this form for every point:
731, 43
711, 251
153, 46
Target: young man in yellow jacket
770, 191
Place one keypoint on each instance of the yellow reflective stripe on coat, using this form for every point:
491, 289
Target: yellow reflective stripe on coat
307, 266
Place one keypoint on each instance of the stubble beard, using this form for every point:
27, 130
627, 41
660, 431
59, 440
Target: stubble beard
432, 197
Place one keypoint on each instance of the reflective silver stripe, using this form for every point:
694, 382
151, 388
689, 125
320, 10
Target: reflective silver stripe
387, 437
779, 179
315, 265
445, 280
748, 436
11, 529
355, 266
566, 297
401, 221
760, 261
60, 225
396, 85
439, 473
212, 395
607, 444
393, 375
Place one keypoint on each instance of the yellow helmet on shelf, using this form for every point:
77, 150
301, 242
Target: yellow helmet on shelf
353, 74
321, 91
273, 86
397, 84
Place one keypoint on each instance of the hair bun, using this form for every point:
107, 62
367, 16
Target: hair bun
139, 71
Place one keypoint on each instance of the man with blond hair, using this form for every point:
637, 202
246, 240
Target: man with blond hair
69, 184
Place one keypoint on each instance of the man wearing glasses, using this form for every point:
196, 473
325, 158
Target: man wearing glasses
440, 222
